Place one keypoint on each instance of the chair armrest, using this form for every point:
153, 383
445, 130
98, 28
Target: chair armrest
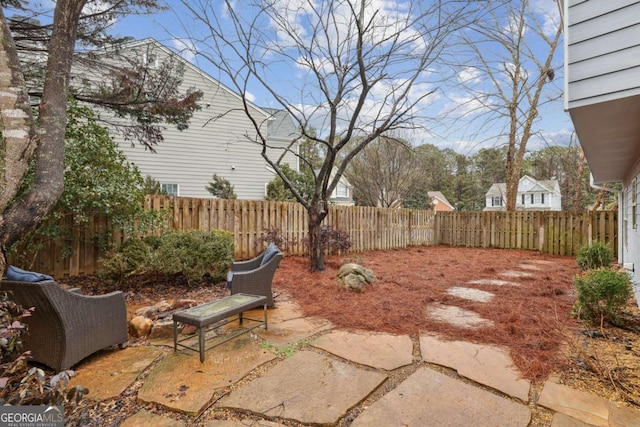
248, 265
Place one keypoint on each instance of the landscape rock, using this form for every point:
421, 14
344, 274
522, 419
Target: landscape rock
140, 326
179, 304
355, 277
162, 329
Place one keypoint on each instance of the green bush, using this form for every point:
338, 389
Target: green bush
596, 255
602, 293
189, 253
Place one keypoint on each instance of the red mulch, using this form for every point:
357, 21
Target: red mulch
532, 319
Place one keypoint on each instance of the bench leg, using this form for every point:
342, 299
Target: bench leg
265, 317
201, 342
175, 336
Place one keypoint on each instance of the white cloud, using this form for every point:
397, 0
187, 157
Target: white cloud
185, 48
250, 96
469, 75
549, 13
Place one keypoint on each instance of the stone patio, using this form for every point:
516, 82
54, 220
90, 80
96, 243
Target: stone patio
337, 377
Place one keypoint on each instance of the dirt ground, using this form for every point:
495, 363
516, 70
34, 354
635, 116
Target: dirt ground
533, 320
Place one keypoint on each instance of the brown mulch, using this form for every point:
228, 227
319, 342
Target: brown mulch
533, 320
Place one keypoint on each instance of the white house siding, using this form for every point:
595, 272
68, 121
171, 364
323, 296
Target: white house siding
215, 143
603, 50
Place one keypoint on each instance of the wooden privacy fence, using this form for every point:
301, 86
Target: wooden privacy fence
552, 232
369, 228
559, 233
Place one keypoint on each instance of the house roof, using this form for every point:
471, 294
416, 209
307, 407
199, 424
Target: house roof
438, 195
548, 185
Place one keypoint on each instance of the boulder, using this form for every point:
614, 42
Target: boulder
162, 329
140, 326
183, 303
355, 277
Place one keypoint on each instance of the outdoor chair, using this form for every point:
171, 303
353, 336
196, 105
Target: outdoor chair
255, 275
66, 326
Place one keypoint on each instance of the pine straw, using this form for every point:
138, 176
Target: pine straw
531, 319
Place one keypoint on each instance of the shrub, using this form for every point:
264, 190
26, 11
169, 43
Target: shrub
596, 255
189, 253
334, 240
602, 293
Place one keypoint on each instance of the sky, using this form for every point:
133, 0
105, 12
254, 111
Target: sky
176, 28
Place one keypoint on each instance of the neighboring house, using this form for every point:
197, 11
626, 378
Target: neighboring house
218, 141
439, 202
342, 195
533, 195
602, 96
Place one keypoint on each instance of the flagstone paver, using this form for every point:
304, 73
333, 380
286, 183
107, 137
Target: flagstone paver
291, 331
308, 388
378, 350
533, 267
242, 423
579, 408
106, 375
471, 294
457, 316
147, 419
483, 364
562, 420
492, 282
575, 403
182, 383
516, 274
429, 398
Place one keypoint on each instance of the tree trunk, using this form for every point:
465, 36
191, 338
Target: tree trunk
316, 253
18, 216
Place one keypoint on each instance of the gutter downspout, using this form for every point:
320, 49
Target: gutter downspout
593, 185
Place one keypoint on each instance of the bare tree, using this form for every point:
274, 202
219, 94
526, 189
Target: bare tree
383, 172
352, 69
507, 70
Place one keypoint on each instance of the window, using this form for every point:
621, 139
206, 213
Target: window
496, 201
537, 199
150, 60
342, 191
170, 189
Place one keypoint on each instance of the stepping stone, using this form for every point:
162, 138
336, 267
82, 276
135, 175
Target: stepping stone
471, 294
516, 274
108, 374
144, 418
292, 331
242, 423
487, 365
583, 409
492, 282
530, 267
457, 316
308, 387
180, 382
382, 351
429, 398
539, 261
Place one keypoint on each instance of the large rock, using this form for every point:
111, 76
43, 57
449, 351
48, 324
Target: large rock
355, 277
140, 326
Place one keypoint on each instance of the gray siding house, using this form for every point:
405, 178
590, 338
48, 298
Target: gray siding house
218, 141
602, 96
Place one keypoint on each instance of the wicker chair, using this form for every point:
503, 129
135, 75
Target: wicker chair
254, 277
66, 326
